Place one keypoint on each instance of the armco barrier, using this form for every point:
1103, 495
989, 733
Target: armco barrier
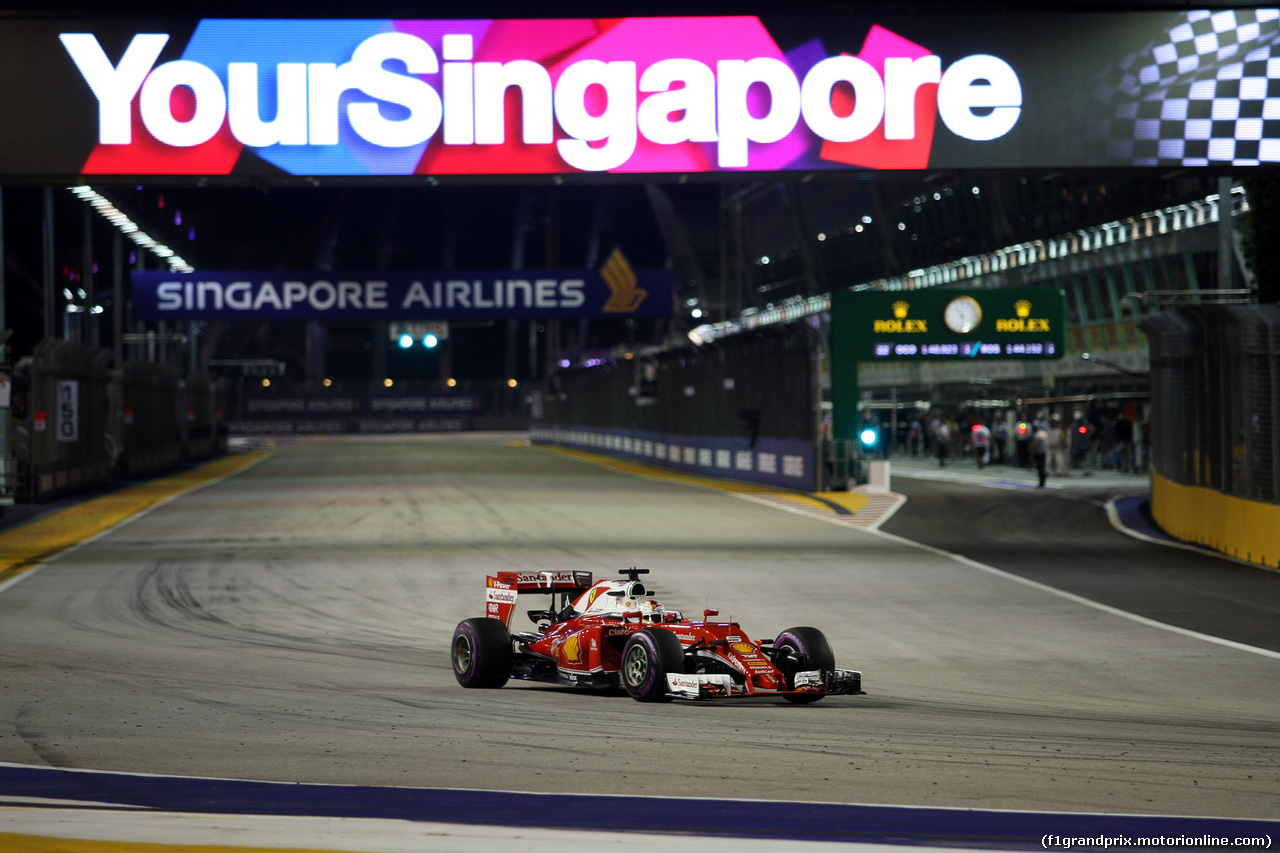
770, 461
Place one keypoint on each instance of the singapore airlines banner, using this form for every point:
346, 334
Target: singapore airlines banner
282, 99
614, 291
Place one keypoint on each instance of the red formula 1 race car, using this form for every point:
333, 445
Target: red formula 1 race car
613, 634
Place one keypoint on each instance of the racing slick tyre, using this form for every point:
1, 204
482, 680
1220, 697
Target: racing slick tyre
800, 649
481, 653
648, 656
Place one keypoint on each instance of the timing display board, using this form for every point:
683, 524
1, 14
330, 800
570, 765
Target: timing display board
1023, 323
1008, 323
255, 98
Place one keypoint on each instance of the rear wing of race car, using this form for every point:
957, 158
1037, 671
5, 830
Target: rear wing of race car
501, 591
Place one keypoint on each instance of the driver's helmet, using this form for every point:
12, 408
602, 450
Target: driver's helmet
619, 596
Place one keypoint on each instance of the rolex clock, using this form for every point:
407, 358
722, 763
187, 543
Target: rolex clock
962, 315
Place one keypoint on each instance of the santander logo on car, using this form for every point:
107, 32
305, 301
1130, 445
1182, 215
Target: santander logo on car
643, 94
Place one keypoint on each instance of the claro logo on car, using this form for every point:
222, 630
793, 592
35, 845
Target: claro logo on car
639, 94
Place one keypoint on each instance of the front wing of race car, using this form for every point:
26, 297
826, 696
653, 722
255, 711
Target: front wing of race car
831, 682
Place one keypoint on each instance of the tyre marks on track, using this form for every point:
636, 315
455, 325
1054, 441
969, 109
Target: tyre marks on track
26, 548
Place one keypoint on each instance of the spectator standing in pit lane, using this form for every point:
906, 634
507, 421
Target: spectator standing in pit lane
942, 441
999, 438
1040, 448
981, 436
1059, 462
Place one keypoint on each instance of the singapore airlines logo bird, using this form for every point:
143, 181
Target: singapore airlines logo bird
625, 296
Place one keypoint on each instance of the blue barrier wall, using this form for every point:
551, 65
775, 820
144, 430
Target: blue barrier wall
771, 461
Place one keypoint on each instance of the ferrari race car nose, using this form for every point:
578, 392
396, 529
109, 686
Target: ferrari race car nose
831, 681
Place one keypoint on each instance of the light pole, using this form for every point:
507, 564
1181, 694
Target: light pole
1111, 365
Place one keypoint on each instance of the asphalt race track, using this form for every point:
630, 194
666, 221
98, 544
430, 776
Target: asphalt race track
291, 624
1063, 539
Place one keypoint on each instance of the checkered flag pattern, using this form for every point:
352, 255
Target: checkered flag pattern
1207, 93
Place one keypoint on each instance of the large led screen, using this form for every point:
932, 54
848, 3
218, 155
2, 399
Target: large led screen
363, 98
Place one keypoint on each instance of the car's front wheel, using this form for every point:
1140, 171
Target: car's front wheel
648, 656
800, 650
481, 653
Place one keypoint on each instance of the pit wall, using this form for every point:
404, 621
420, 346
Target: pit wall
1244, 529
770, 461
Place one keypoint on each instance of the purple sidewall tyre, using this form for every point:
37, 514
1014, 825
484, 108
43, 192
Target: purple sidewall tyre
812, 651
648, 656
480, 653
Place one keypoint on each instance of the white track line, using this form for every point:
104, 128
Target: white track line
1113, 516
1080, 599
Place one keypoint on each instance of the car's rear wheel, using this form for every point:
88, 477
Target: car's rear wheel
648, 656
800, 650
481, 653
